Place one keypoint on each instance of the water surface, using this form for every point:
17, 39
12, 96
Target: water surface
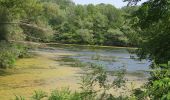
109, 57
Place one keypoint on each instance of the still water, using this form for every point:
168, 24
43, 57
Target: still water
109, 57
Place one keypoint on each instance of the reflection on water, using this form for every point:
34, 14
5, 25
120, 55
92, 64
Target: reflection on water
109, 57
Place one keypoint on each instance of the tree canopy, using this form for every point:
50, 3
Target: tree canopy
152, 21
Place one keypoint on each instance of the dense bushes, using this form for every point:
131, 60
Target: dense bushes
158, 85
90, 24
8, 55
9, 52
81, 24
151, 33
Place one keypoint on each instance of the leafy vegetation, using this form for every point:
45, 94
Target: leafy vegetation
92, 24
150, 26
62, 21
146, 27
19, 20
7, 56
10, 52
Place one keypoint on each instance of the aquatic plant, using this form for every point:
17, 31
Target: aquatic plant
38, 95
96, 57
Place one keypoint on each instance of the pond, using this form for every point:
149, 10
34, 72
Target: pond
111, 58
50, 69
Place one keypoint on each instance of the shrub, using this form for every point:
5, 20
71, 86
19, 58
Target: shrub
64, 94
38, 95
19, 98
8, 55
10, 52
97, 76
158, 85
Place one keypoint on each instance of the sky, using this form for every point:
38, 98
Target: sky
116, 3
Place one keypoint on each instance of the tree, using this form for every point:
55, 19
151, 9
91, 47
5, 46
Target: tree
18, 16
95, 20
115, 37
63, 3
9, 11
153, 30
151, 24
131, 2
85, 36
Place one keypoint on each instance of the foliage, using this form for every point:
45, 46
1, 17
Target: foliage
37, 20
19, 98
85, 36
150, 24
152, 30
115, 37
10, 52
64, 94
91, 24
38, 95
8, 55
63, 3
21, 18
95, 77
159, 83
132, 2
